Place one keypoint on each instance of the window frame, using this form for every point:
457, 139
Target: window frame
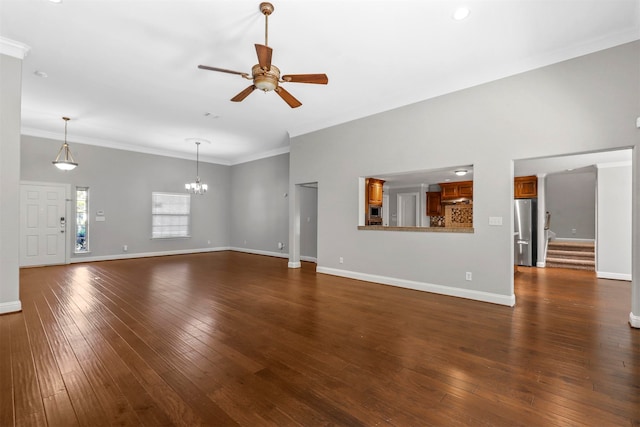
167, 216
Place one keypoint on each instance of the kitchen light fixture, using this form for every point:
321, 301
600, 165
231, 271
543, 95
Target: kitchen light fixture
196, 187
64, 160
461, 172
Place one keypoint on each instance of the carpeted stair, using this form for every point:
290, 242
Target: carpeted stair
568, 254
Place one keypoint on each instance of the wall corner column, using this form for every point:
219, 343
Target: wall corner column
294, 226
11, 55
634, 316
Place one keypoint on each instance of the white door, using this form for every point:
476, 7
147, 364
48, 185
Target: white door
408, 212
42, 224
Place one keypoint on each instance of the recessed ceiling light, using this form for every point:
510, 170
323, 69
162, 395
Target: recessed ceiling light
461, 172
461, 13
40, 73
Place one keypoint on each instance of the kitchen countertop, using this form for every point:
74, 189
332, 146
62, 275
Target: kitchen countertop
418, 229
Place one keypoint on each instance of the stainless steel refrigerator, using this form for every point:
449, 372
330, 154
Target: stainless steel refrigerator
525, 232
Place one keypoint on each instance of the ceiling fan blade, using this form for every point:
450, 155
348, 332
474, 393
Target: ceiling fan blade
222, 70
288, 98
319, 79
264, 56
242, 95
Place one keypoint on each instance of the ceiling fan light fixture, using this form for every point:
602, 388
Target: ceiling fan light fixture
265, 80
461, 172
64, 160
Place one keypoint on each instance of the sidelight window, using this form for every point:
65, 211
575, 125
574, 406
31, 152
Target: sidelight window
82, 219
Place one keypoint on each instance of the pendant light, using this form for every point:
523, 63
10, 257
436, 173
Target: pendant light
64, 160
196, 187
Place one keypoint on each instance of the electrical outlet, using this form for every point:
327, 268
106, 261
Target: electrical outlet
573, 231
341, 260
245, 243
125, 248
208, 242
468, 276
280, 245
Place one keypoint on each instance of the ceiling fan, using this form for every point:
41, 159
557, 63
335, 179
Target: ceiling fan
266, 76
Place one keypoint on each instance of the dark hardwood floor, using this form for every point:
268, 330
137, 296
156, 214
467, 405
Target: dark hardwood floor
228, 338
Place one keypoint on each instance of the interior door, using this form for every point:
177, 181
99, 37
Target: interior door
408, 209
43, 224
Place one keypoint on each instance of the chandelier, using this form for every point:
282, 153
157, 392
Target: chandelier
196, 187
64, 160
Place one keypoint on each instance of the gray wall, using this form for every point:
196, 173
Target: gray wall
588, 103
11, 90
614, 221
120, 184
259, 204
571, 200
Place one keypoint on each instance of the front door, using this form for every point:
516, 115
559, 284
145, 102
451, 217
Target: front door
42, 224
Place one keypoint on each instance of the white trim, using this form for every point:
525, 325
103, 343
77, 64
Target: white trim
13, 48
259, 156
294, 264
541, 264
116, 145
634, 320
569, 239
260, 252
508, 300
614, 276
309, 258
613, 165
145, 254
10, 307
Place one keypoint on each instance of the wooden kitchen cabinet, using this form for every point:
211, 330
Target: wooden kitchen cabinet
457, 190
525, 187
374, 191
434, 203
465, 189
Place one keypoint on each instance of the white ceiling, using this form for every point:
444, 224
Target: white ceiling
126, 71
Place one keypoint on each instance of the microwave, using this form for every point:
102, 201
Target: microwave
375, 211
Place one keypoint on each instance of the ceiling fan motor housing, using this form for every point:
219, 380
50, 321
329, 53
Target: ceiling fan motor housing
265, 80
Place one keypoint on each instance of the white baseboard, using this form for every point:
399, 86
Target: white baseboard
508, 300
634, 320
259, 252
541, 264
184, 252
309, 258
294, 264
10, 307
614, 276
145, 254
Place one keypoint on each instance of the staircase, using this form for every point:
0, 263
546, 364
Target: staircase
568, 254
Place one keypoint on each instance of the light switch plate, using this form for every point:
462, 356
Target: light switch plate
495, 220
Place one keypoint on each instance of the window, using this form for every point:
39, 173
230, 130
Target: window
170, 215
82, 219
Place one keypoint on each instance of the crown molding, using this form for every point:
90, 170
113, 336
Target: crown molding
13, 48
